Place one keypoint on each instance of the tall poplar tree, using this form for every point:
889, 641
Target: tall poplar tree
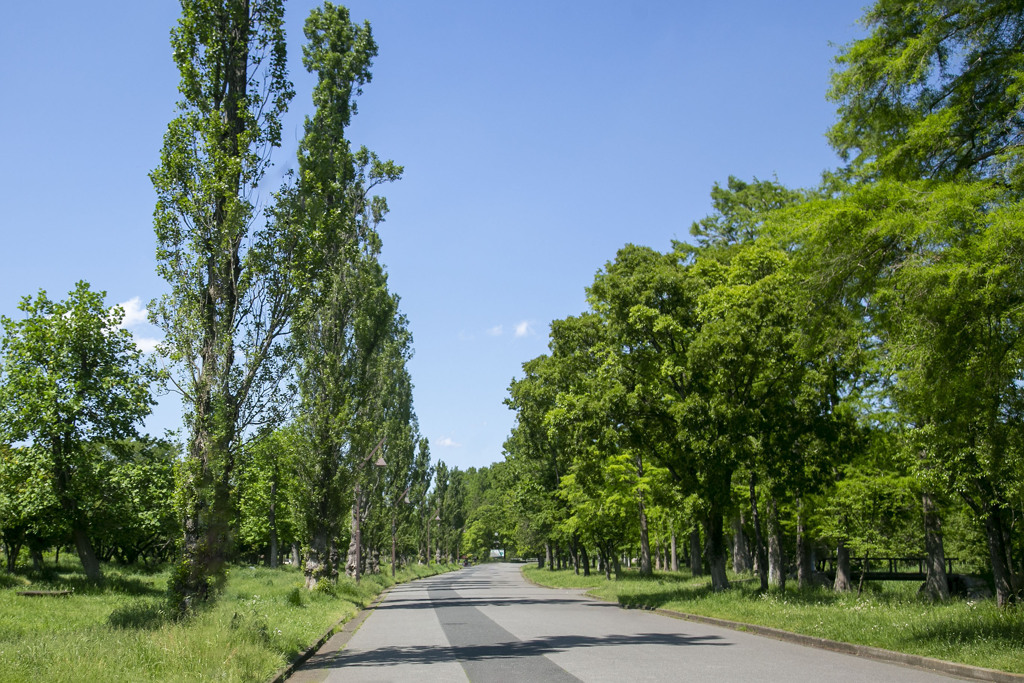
347, 315
229, 298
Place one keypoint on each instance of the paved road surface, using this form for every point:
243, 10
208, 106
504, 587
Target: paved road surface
487, 623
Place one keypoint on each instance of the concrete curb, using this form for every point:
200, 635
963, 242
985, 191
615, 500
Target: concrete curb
966, 671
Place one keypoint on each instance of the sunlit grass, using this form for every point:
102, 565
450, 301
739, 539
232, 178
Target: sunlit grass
124, 629
889, 615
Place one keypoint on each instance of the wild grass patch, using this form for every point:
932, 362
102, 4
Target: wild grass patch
125, 630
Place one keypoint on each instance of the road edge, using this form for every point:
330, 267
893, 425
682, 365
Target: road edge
866, 651
346, 626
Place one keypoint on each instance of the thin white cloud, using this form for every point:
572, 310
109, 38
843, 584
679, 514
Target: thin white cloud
134, 313
524, 328
146, 344
496, 330
448, 442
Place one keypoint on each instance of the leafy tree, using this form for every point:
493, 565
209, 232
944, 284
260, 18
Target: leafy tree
265, 494
70, 375
230, 299
347, 317
939, 269
933, 91
131, 509
29, 509
536, 457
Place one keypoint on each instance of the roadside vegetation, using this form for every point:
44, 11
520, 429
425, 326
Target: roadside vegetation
888, 615
128, 629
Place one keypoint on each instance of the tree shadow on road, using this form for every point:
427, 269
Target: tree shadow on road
538, 647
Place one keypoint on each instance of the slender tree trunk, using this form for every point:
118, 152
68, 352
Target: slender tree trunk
696, 564
354, 563
616, 566
1001, 571
936, 584
843, 580
776, 570
426, 548
586, 560
645, 543
394, 544
740, 551
548, 556
803, 551
675, 552
272, 520
295, 554
761, 554
540, 561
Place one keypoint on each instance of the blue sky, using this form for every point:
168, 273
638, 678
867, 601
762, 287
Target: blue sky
537, 138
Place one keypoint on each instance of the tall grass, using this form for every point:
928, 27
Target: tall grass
124, 629
889, 615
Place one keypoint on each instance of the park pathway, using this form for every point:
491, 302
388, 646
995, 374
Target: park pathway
487, 623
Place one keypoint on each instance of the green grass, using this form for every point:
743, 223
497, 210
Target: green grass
124, 630
887, 615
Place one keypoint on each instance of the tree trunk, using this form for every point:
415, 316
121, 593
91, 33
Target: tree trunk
272, 520
86, 554
843, 580
1001, 571
645, 543
317, 566
761, 558
740, 552
776, 569
586, 560
540, 561
675, 553
394, 544
548, 556
804, 569
354, 563
696, 564
936, 585
426, 547
295, 554
616, 566
716, 551
37, 558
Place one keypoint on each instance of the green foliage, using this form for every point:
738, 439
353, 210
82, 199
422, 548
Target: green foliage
933, 91
230, 298
69, 374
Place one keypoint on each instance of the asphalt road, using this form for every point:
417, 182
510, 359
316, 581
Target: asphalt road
487, 623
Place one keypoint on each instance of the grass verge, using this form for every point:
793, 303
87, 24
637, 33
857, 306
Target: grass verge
887, 615
123, 630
